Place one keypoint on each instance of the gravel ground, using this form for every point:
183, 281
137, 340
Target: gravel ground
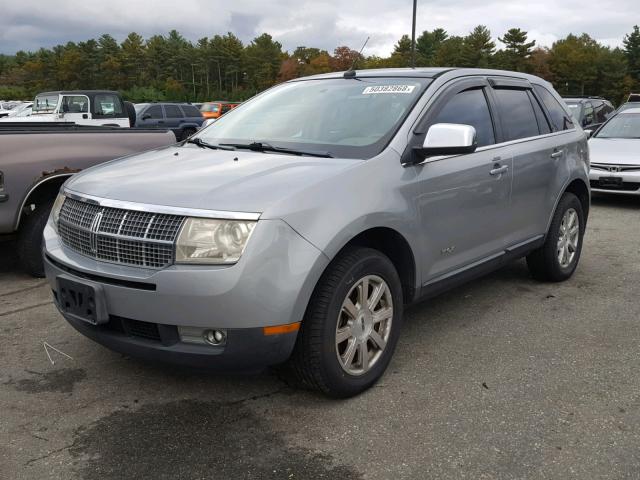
502, 378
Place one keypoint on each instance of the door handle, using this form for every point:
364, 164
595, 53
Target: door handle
557, 154
499, 170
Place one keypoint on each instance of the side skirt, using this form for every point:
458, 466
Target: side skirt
478, 269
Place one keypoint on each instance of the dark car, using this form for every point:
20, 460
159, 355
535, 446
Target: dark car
590, 112
183, 119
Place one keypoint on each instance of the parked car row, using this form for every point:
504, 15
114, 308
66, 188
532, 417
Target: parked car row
615, 154
182, 119
107, 108
14, 108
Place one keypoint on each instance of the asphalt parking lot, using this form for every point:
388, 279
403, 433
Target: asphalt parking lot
502, 378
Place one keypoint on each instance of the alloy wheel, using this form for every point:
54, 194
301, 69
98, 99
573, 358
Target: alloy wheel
568, 238
364, 325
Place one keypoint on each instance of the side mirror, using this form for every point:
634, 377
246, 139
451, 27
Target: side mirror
146, 116
589, 133
447, 139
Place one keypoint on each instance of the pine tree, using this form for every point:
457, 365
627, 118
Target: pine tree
517, 50
478, 48
631, 44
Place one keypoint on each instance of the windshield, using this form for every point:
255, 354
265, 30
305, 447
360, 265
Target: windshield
350, 118
139, 107
625, 125
45, 103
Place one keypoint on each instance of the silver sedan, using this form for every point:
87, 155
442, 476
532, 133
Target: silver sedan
615, 155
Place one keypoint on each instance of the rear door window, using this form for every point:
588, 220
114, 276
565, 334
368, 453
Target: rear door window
516, 113
191, 111
560, 119
470, 108
173, 111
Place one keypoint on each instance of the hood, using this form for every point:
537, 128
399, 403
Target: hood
193, 177
616, 151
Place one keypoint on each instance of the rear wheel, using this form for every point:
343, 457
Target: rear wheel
558, 258
351, 326
30, 239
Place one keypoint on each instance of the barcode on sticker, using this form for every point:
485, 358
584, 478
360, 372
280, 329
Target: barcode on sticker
389, 89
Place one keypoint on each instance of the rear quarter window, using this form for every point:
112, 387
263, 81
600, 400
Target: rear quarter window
560, 119
108, 105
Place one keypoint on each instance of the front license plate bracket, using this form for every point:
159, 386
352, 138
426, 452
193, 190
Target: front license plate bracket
82, 300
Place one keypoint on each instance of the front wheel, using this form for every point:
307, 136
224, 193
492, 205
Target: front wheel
351, 326
558, 258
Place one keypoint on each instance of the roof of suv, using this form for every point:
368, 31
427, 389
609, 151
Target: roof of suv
583, 99
428, 72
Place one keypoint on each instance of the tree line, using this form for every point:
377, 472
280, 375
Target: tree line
169, 67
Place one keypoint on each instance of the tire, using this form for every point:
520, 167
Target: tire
30, 240
545, 263
315, 362
186, 133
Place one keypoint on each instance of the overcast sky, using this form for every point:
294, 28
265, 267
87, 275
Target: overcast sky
31, 24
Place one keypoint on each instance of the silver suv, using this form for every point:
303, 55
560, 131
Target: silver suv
293, 231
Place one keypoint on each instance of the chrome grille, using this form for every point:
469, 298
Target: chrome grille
615, 168
128, 237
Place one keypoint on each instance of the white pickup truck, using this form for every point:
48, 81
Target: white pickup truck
82, 107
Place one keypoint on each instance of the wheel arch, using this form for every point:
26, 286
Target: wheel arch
395, 246
45, 188
580, 189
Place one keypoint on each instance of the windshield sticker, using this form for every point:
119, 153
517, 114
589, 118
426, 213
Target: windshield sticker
389, 89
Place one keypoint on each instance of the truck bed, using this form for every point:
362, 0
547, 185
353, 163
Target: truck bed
34, 153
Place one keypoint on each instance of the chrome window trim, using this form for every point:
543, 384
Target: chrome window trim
526, 139
494, 146
166, 209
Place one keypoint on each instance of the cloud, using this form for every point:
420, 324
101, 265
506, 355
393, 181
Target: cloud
31, 24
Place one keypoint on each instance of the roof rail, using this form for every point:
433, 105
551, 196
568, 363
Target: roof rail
595, 97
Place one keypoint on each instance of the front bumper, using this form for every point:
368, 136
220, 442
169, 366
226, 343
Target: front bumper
630, 181
270, 285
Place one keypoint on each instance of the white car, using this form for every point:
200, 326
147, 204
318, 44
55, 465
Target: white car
22, 110
83, 107
7, 107
615, 155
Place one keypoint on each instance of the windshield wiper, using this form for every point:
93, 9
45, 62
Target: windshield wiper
266, 147
202, 144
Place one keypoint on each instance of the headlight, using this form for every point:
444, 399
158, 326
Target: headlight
55, 210
204, 240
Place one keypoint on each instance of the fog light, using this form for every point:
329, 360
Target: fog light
214, 337
202, 336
